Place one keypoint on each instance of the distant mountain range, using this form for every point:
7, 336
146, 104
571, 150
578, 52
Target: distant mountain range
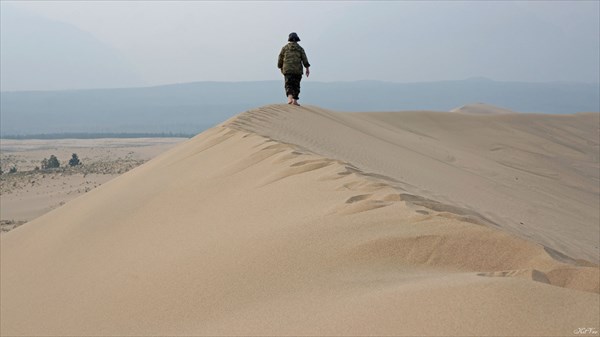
193, 107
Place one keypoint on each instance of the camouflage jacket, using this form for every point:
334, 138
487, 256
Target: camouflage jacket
291, 59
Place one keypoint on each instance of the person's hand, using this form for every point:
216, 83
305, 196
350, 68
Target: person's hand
307, 72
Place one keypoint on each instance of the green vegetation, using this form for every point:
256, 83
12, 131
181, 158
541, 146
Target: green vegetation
50, 163
74, 161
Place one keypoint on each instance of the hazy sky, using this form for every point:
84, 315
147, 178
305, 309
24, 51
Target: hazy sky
405, 41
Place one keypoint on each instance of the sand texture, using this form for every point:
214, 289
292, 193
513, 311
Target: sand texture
301, 221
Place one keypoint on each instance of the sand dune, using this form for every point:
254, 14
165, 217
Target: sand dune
533, 175
302, 221
482, 109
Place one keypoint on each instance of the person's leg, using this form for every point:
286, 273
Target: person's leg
295, 88
289, 88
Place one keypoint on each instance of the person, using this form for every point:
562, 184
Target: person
292, 58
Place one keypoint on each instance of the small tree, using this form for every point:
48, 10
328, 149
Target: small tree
74, 161
53, 162
50, 163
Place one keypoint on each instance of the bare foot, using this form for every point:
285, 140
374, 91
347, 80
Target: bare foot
295, 103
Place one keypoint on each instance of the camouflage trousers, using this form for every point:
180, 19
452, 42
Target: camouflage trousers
292, 85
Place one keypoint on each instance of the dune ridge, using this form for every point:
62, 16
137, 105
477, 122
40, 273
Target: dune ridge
237, 232
528, 174
482, 109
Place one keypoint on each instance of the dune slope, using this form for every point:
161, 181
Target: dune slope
537, 176
254, 227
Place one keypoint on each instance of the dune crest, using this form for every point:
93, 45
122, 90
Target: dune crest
482, 109
237, 232
533, 175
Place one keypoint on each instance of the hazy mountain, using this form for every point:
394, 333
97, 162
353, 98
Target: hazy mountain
40, 53
193, 107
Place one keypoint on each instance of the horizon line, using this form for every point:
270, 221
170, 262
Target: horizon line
469, 79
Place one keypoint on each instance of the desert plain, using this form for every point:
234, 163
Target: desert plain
32, 192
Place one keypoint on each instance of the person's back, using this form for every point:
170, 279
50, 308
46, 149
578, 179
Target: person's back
293, 57
292, 61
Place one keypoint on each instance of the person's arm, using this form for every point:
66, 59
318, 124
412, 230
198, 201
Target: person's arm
305, 62
281, 56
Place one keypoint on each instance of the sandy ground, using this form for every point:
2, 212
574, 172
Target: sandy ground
300, 221
28, 194
536, 176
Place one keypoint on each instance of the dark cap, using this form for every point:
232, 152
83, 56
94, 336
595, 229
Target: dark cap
293, 37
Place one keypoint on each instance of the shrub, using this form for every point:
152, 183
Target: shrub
13, 170
74, 161
52, 162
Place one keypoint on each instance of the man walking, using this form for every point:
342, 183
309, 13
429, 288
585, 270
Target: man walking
292, 58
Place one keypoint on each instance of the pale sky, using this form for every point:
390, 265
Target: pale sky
162, 42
